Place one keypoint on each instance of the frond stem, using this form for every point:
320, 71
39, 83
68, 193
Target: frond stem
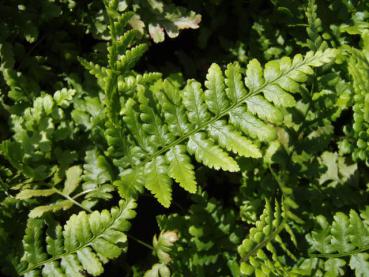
339, 255
140, 242
72, 200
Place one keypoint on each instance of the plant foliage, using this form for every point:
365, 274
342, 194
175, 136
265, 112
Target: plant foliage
245, 137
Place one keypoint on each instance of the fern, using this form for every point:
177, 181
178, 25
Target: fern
344, 242
210, 130
314, 27
207, 125
85, 243
259, 251
356, 141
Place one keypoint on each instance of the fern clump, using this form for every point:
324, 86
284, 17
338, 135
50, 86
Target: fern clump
239, 147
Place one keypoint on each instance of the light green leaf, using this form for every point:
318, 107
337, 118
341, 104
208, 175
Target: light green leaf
359, 263
131, 57
251, 125
30, 193
181, 168
359, 233
254, 75
210, 154
88, 241
63, 97
272, 71
73, 178
341, 234
215, 96
235, 88
53, 207
90, 261
262, 108
232, 140
96, 170
158, 270
158, 182
131, 183
193, 100
278, 96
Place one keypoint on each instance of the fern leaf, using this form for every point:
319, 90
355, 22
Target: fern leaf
30, 193
359, 234
151, 121
131, 118
314, 27
193, 100
278, 96
251, 125
52, 207
215, 97
235, 89
130, 58
340, 233
96, 170
181, 168
131, 183
123, 20
232, 140
87, 241
174, 112
158, 182
257, 105
94, 69
210, 154
73, 178
254, 75
126, 40
360, 263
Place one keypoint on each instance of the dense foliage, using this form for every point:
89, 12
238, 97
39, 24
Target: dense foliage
184, 138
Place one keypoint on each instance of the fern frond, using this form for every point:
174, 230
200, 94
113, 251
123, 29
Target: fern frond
314, 27
122, 57
85, 243
209, 124
258, 252
357, 137
345, 240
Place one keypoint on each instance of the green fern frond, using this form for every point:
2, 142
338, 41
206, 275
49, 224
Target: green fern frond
258, 252
85, 243
123, 56
356, 140
314, 27
150, 122
209, 124
345, 240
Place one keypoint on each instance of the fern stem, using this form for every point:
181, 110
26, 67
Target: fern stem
141, 242
339, 255
72, 200
83, 193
